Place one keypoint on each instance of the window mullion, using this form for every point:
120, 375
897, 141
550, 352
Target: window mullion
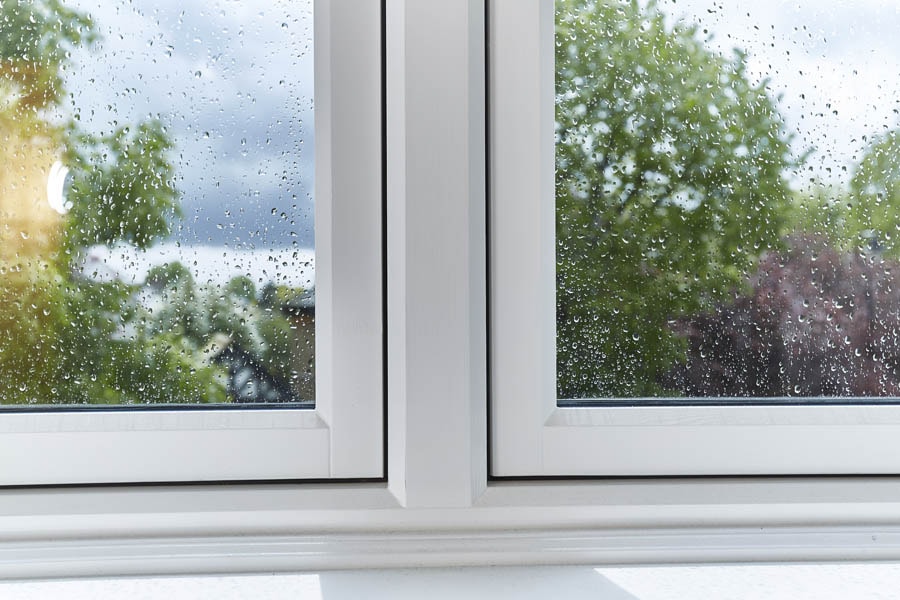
436, 254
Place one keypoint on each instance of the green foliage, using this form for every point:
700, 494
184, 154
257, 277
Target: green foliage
273, 296
29, 322
36, 38
179, 310
819, 211
671, 180
873, 208
204, 317
863, 215
278, 345
65, 338
165, 368
241, 287
67, 342
123, 187
170, 275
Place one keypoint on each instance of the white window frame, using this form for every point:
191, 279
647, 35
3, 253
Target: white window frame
438, 506
532, 436
343, 436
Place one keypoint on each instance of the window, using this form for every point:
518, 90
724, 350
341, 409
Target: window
164, 315
715, 295
437, 504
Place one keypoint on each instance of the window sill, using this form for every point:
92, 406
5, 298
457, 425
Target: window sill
267, 528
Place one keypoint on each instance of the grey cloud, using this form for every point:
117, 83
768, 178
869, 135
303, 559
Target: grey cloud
247, 222
235, 88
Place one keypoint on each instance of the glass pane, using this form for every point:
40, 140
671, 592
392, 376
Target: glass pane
156, 208
728, 199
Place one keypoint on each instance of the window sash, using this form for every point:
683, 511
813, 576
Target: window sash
342, 436
531, 434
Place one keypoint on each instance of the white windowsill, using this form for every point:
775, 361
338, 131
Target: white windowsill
246, 529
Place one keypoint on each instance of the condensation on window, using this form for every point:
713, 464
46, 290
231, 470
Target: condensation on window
728, 200
156, 202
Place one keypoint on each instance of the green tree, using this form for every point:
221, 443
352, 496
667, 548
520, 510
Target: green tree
671, 180
873, 206
36, 39
65, 338
123, 187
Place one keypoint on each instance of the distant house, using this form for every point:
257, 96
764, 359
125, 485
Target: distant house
301, 310
248, 380
250, 377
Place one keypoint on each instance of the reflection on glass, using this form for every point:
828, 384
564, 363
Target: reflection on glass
156, 230
728, 199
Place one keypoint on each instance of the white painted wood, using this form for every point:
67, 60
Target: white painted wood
78, 532
118, 446
435, 549
531, 436
397, 327
342, 437
726, 440
349, 286
436, 260
523, 266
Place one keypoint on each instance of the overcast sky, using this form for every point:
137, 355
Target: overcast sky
234, 82
836, 63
